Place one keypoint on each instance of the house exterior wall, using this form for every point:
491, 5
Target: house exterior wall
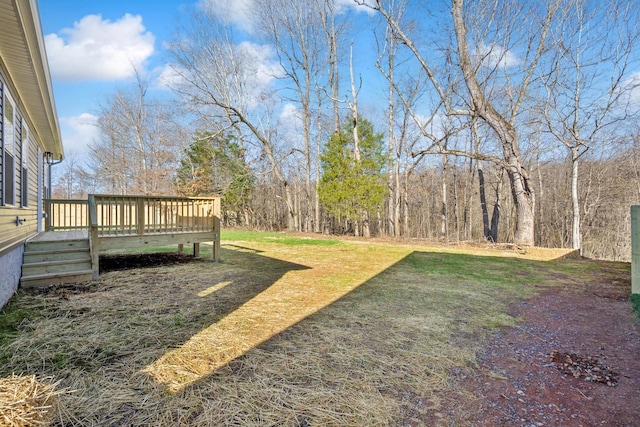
29, 132
11, 263
19, 215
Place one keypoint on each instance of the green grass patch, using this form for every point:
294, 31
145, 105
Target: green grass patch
271, 237
12, 316
635, 303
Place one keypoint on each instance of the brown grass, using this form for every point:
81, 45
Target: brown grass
351, 334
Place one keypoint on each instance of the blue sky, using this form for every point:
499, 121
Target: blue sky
92, 46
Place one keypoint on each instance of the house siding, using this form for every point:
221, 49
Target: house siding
18, 220
26, 97
12, 230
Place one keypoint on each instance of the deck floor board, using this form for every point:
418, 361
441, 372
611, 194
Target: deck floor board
59, 236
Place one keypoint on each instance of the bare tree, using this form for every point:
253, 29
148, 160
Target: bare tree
486, 66
588, 86
141, 139
295, 29
389, 48
333, 30
225, 83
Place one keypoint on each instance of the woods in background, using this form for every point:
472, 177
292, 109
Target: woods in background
499, 121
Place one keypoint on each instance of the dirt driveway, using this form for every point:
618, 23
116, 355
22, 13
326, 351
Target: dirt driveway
574, 361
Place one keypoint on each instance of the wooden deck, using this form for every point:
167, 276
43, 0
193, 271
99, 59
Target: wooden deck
75, 229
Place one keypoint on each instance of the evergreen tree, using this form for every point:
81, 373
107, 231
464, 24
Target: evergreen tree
349, 188
215, 165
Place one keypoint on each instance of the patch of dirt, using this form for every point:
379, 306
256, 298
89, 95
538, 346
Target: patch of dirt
573, 361
131, 261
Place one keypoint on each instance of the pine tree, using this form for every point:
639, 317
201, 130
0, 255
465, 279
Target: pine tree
349, 188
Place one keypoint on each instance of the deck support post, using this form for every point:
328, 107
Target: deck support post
140, 216
93, 238
216, 229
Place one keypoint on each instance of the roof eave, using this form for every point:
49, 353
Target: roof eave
26, 62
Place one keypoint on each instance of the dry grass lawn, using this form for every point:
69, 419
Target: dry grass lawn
286, 332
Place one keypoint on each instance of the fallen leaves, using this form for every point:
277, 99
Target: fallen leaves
585, 367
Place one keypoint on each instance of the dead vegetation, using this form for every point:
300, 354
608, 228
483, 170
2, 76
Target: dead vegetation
27, 402
291, 335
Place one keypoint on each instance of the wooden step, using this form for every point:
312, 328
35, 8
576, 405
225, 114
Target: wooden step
56, 262
59, 266
52, 245
55, 255
53, 279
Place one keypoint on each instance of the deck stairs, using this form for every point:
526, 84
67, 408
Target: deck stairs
56, 259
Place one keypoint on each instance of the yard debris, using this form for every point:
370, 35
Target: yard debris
26, 401
586, 367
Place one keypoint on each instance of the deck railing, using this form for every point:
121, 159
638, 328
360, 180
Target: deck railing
147, 215
132, 215
66, 214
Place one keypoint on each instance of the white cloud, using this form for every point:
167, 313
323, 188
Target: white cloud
97, 49
630, 90
493, 55
259, 69
239, 12
290, 114
169, 76
290, 121
259, 62
343, 5
78, 133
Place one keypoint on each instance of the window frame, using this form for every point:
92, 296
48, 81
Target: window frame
24, 166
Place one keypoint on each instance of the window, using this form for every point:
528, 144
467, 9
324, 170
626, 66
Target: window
24, 172
8, 142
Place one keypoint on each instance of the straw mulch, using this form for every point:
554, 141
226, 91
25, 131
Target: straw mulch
25, 401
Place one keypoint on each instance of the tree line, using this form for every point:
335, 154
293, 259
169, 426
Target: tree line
502, 121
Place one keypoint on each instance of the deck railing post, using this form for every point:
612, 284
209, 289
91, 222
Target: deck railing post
140, 208
93, 238
216, 229
47, 215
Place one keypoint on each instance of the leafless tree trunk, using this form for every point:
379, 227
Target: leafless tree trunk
332, 30
588, 87
444, 226
497, 207
293, 27
218, 82
479, 103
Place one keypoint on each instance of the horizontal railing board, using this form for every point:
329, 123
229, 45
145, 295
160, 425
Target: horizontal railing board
116, 242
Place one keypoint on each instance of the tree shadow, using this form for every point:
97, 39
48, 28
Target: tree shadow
456, 288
